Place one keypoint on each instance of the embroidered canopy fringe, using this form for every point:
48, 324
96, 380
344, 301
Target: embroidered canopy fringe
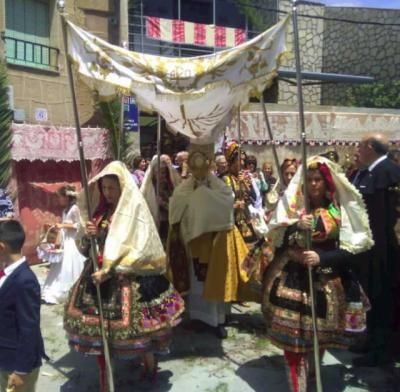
197, 96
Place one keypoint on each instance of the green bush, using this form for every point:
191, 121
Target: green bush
375, 95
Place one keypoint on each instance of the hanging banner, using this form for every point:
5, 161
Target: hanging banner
131, 115
196, 96
190, 33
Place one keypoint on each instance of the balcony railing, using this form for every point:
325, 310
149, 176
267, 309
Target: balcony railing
31, 54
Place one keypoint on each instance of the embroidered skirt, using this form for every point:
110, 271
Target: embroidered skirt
139, 313
341, 307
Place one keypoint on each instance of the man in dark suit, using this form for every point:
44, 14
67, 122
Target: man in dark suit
21, 343
381, 263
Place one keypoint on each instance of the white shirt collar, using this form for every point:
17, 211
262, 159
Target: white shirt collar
12, 267
376, 162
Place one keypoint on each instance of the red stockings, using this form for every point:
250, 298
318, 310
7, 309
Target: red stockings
297, 368
101, 363
300, 368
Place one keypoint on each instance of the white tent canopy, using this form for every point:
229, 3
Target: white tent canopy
197, 96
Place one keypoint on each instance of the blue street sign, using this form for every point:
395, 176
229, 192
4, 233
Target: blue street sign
131, 115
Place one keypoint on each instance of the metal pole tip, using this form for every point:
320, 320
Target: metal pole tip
61, 5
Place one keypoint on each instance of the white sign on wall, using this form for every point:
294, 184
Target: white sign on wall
41, 115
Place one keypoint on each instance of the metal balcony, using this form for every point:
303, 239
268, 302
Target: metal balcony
31, 54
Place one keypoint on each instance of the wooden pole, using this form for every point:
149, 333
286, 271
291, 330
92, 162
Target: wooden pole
93, 245
305, 191
239, 129
158, 157
121, 127
124, 42
269, 129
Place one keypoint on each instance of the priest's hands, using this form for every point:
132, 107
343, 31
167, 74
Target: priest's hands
239, 205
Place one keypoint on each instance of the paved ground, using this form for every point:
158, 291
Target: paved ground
246, 361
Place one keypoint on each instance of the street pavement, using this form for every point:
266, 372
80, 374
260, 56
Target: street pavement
200, 362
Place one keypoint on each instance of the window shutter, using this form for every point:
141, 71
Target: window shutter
28, 21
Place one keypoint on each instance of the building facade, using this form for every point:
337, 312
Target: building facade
32, 45
33, 48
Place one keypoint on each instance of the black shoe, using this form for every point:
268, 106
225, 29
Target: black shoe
221, 332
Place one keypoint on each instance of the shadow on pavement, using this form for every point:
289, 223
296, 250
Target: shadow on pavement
265, 373
268, 373
83, 377
372, 379
188, 342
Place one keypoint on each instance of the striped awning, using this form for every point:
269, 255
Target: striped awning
190, 33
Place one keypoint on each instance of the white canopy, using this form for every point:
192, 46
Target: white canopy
197, 96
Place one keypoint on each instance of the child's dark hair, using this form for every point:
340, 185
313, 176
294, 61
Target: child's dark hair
12, 233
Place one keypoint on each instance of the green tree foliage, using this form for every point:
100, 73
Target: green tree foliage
375, 95
259, 13
254, 16
5, 129
110, 111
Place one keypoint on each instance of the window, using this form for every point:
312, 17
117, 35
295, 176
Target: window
28, 34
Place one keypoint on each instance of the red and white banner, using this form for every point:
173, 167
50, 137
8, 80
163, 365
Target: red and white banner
182, 32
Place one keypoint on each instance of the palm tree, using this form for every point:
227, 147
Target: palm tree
5, 129
111, 111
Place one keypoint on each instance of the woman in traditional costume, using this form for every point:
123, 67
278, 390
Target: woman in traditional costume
66, 263
169, 179
340, 232
206, 250
140, 305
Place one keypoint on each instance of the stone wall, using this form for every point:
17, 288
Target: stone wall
34, 88
359, 49
311, 41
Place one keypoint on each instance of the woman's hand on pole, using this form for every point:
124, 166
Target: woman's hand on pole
311, 258
91, 228
100, 276
305, 222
